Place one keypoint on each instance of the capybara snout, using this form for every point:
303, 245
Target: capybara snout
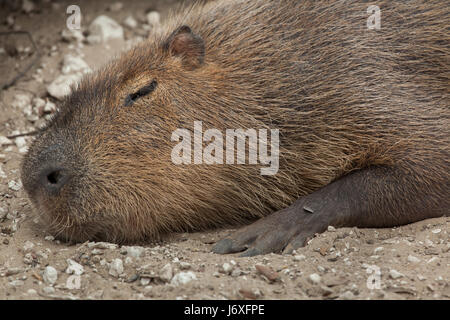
49, 174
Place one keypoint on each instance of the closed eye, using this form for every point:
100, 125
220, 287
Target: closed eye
131, 98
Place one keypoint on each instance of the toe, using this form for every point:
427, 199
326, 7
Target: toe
228, 245
223, 246
297, 242
250, 252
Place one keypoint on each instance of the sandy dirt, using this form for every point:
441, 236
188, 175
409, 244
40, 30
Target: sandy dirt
408, 262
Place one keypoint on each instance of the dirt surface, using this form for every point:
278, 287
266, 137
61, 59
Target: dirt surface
409, 262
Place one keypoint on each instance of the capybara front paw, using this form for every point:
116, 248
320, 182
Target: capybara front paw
282, 231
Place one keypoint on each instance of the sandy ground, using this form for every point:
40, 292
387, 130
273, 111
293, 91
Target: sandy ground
409, 262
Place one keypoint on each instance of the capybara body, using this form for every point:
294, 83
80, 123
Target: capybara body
347, 100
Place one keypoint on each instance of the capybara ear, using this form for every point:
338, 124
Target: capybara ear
188, 45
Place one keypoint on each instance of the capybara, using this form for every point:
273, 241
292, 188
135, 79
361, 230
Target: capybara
362, 113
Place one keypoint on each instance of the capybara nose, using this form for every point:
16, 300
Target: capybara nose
52, 179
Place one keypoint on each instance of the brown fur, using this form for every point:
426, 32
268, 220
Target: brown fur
344, 98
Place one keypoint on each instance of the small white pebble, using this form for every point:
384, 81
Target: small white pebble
4, 141
48, 290
31, 292
28, 246
16, 186
74, 268
315, 278
183, 278
433, 260
153, 18
378, 249
394, 274
299, 257
413, 259
50, 275
347, 295
20, 142
116, 267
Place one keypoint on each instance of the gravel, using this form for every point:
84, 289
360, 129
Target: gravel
21, 101
315, 278
183, 278
15, 185
28, 246
74, 64
116, 267
62, 85
226, 268
4, 141
153, 18
130, 22
166, 273
50, 275
102, 29
394, 274
74, 267
135, 251
413, 259
71, 35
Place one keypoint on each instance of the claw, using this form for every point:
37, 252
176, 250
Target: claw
250, 252
223, 246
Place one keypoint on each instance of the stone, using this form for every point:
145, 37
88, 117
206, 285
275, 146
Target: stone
135, 251
20, 142
185, 265
62, 85
104, 28
70, 35
226, 268
48, 290
16, 283
166, 273
116, 267
315, 278
268, 273
28, 6
28, 246
21, 100
130, 22
16, 186
153, 18
413, 259
394, 274
183, 278
74, 268
74, 64
299, 257
50, 275
4, 141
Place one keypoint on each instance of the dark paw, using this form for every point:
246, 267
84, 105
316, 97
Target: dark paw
282, 231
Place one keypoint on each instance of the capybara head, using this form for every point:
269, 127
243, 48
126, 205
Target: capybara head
102, 168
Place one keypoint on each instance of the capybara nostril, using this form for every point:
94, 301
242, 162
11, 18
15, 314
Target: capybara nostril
52, 179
